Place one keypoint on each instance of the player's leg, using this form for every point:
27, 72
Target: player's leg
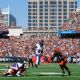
18, 73
69, 72
32, 63
39, 59
62, 68
36, 64
29, 62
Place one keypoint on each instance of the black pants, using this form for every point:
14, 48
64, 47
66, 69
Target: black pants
30, 62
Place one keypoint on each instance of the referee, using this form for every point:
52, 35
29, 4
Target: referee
30, 58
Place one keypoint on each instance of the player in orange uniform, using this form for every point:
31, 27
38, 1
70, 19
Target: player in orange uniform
61, 60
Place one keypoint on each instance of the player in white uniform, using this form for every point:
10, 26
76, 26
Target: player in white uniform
38, 53
19, 67
15, 70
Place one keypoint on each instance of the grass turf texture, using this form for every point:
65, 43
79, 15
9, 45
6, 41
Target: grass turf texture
32, 73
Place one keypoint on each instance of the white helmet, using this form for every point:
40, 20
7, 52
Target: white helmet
24, 62
38, 46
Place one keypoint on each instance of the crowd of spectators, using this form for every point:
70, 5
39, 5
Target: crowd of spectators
73, 22
20, 46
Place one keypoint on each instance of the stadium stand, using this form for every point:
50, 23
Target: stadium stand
71, 28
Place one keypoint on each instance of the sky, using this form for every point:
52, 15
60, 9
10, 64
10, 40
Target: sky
19, 9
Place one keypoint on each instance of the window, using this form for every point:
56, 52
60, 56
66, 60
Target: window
75, 6
41, 13
29, 17
29, 2
5, 18
64, 13
52, 2
65, 17
41, 20
59, 13
41, 6
59, 24
53, 24
46, 9
59, 17
46, 6
33, 10
46, 13
34, 17
52, 17
71, 6
59, 6
59, 10
29, 13
52, 20
46, 20
46, 17
34, 3
34, 24
72, 9
46, 24
76, 2
53, 6
29, 9
71, 2
53, 13
64, 6
29, 20
34, 13
64, 2
41, 10
59, 20
35, 6
65, 10
46, 2
51, 28
40, 25
29, 24
41, 2
52, 9
34, 20
64, 20
29, 6
41, 17
60, 2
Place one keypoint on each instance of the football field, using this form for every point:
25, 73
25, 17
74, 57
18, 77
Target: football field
46, 72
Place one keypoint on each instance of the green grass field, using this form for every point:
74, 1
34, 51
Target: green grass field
33, 73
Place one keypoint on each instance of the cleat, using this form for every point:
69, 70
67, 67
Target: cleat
36, 65
63, 73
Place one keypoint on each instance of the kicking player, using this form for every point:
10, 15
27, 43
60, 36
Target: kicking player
61, 60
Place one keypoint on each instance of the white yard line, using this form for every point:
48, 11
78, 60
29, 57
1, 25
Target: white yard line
2, 69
